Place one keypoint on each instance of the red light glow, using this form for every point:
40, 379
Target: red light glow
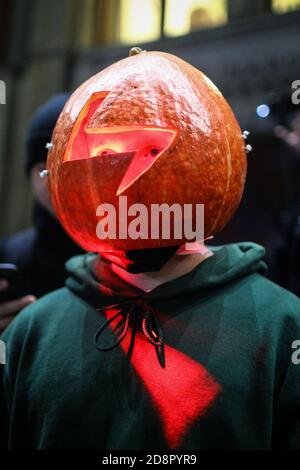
181, 392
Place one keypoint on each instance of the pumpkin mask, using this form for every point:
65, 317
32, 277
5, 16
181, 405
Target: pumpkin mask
152, 128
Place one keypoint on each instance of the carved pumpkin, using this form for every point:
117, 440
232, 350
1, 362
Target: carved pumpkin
155, 129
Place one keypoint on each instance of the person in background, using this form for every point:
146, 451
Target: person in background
39, 252
287, 255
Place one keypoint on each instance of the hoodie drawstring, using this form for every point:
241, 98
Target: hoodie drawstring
137, 313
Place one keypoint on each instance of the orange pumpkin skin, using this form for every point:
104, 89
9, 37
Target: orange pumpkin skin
204, 164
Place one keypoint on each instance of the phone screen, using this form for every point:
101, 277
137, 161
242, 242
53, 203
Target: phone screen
15, 289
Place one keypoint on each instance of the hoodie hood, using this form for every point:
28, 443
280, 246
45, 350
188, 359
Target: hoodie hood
229, 263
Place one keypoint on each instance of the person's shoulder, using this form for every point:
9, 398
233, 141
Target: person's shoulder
270, 289
46, 311
272, 302
19, 237
14, 249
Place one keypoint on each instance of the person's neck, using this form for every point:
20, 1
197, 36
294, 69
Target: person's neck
141, 261
147, 269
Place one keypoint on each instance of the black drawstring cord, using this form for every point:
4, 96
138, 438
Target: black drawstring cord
149, 325
132, 312
123, 313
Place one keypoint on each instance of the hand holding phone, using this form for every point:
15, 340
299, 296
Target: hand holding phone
11, 298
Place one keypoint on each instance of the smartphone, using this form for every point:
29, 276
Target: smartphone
15, 289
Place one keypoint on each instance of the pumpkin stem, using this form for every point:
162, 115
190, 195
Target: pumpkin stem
135, 51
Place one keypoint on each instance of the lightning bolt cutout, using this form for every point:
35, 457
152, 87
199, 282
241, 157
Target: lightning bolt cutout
147, 143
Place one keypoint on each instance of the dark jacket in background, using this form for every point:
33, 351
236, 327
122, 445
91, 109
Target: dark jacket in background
40, 253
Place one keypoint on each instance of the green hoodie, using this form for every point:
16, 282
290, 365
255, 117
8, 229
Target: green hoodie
228, 380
